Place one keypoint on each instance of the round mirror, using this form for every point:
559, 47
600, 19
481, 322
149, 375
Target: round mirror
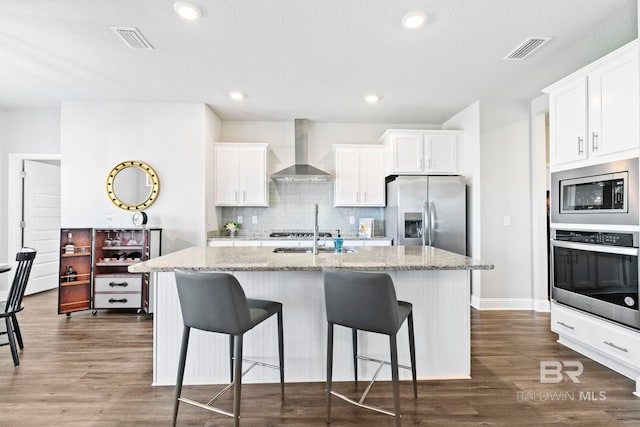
133, 185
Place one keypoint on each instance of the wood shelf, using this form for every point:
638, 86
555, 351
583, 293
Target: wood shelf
75, 254
75, 283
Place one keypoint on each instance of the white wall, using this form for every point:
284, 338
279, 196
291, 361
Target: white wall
506, 193
539, 185
27, 131
496, 162
469, 121
172, 138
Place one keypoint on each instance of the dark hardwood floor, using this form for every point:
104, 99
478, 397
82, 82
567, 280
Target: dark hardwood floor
86, 370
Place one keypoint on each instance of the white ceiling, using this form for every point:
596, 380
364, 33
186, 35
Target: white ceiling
301, 58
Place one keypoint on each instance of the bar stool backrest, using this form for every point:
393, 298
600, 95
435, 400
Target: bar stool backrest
25, 260
213, 302
365, 301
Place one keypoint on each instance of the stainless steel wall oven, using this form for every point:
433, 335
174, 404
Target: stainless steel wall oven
597, 272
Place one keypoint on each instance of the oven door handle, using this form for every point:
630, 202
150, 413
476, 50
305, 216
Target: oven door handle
620, 250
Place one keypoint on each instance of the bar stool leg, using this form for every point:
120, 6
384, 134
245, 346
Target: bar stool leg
329, 368
183, 358
281, 352
412, 353
394, 377
237, 382
354, 340
231, 350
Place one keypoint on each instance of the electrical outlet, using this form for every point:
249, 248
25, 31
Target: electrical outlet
239, 219
254, 219
352, 219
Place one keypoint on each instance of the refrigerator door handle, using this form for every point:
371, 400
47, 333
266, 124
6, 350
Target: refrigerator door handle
424, 226
432, 221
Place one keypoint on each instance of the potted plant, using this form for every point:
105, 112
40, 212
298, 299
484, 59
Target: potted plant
232, 227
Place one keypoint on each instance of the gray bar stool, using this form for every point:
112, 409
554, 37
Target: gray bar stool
367, 302
215, 302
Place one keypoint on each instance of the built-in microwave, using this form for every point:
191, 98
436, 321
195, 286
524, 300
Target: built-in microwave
600, 194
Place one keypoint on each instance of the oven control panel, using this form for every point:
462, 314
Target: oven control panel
595, 237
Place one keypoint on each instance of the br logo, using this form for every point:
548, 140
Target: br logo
551, 371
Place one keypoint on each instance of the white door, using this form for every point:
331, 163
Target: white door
41, 214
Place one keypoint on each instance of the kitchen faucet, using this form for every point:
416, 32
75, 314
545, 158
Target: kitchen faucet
315, 231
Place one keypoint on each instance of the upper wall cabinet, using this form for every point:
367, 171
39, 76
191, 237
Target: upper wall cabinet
594, 112
422, 152
359, 175
241, 175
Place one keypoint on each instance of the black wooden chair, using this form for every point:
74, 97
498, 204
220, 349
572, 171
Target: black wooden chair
13, 305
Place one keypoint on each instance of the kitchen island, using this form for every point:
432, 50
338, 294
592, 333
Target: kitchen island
436, 282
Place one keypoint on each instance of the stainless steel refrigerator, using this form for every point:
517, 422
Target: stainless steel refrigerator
427, 210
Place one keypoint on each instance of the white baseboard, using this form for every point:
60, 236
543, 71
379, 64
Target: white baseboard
475, 302
503, 304
542, 305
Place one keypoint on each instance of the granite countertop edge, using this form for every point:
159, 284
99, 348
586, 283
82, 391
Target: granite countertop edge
373, 258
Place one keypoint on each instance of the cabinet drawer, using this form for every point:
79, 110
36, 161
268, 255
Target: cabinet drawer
117, 300
617, 341
564, 322
607, 337
119, 283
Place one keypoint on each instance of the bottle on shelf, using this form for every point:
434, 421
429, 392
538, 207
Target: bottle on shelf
70, 275
69, 247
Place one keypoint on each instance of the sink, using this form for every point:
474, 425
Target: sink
309, 250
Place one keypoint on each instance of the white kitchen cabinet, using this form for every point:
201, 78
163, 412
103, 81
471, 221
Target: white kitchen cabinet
595, 111
421, 152
359, 175
241, 175
606, 342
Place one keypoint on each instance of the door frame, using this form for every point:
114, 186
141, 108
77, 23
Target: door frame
14, 199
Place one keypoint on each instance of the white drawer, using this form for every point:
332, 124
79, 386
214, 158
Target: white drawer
119, 283
615, 340
565, 322
117, 300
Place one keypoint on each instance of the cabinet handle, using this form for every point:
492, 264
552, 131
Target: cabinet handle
421, 163
357, 197
580, 141
565, 325
365, 197
610, 344
113, 300
594, 138
429, 163
244, 196
123, 284
236, 196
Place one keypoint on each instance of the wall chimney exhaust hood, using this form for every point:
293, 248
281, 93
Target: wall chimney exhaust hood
301, 171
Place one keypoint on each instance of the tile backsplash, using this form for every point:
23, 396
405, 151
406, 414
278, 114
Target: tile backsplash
291, 208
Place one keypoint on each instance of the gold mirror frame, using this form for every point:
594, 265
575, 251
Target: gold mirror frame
153, 179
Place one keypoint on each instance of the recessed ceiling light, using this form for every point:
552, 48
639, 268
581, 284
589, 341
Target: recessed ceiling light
372, 98
187, 10
238, 96
414, 20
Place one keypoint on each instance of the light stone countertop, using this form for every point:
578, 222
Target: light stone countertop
375, 258
295, 239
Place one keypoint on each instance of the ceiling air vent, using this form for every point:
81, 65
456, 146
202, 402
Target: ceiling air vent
526, 48
132, 37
